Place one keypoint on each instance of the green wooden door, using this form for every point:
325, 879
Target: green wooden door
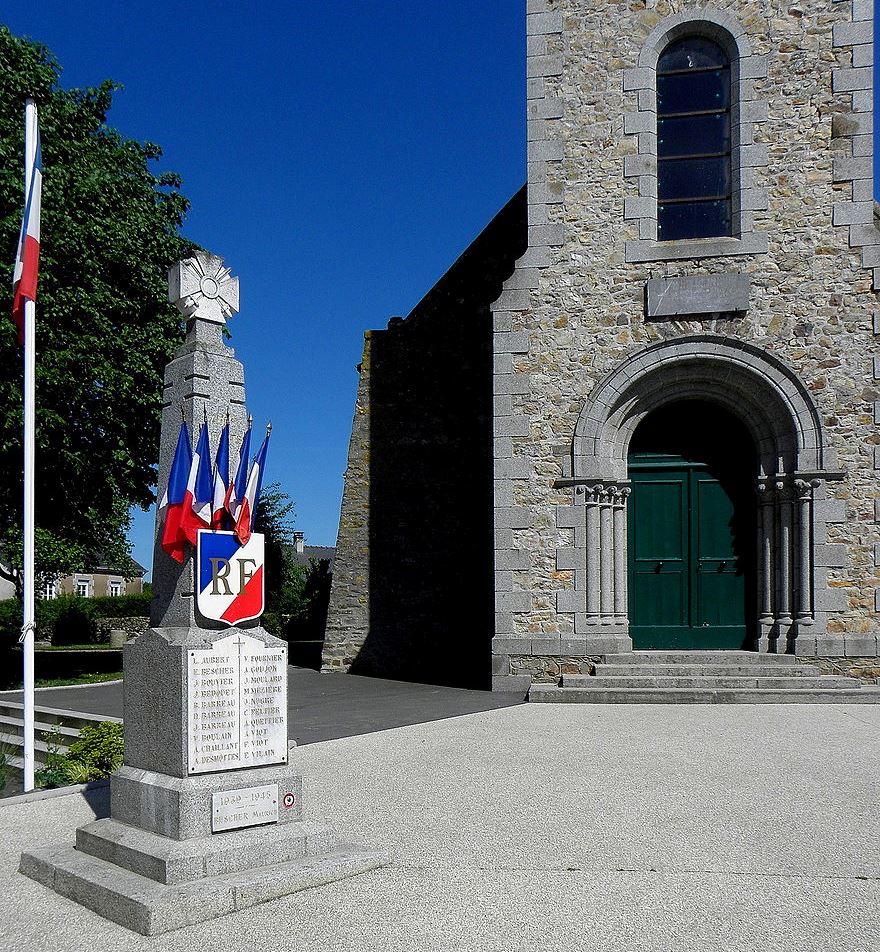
686, 589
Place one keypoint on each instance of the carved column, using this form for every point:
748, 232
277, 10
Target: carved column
804, 504
766, 529
784, 560
594, 552
620, 566
606, 524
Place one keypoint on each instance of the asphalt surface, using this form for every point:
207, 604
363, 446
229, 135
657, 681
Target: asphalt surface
320, 706
551, 827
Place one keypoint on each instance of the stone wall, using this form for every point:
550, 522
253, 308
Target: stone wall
412, 582
574, 311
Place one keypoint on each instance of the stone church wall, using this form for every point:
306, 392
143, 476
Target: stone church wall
574, 310
412, 581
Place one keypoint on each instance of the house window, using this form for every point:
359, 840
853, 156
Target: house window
114, 588
693, 141
82, 588
50, 590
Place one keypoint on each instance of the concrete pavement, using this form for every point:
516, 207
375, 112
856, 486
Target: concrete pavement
553, 827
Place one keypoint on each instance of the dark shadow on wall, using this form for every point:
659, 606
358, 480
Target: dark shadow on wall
431, 494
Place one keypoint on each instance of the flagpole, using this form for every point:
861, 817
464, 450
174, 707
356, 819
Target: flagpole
27, 630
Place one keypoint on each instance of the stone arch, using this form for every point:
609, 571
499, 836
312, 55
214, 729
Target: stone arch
713, 24
786, 429
757, 387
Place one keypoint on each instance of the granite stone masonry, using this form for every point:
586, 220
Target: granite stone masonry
206, 812
605, 328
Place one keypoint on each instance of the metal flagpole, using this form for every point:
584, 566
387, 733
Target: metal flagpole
27, 629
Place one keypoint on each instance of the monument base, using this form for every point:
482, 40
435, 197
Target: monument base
150, 908
181, 850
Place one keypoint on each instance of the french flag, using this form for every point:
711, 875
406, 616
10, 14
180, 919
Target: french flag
244, 523
221, 480
27, 258
239, 482
199, 497
173, 500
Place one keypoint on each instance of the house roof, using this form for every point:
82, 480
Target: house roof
310, 552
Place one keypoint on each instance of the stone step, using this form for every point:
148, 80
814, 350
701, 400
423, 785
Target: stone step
52, 715
704, 681
551, 693
151, 908
717, 670
700, 657
16, 743
15, 726
173, 862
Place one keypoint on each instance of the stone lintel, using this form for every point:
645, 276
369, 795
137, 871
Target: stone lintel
697, 294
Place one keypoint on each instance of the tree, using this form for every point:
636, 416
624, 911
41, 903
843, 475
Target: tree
275, 521
110, 230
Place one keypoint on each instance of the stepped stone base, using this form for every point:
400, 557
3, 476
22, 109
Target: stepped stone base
150, 908
155, 864
703, 677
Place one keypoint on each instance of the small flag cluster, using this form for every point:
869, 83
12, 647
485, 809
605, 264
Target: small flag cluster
199, 497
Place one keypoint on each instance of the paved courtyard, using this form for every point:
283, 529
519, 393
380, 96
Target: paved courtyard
553, 827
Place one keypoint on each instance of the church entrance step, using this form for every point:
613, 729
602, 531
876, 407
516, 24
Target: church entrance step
701, 657
703, 681
551, 693
704, 677
716, 670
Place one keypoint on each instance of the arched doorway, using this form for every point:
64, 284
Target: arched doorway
779, 430
692, 529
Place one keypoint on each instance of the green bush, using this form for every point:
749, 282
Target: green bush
74, 624
96, 754
121, 606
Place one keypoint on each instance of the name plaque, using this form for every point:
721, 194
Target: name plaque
236, 705
250, 806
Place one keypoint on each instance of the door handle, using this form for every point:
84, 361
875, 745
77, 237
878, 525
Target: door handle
659, 567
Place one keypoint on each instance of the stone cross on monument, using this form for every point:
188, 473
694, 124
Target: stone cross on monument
206, 812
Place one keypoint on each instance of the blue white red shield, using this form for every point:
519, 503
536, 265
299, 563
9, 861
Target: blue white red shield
230, 580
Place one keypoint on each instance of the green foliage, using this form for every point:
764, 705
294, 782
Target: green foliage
96, 754
275, 519
69, 619
110, 230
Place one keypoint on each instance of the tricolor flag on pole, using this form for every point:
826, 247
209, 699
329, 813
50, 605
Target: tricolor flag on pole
24, 314
247, 512
27, 258
221, 479
173, 538
199, 498
239, 482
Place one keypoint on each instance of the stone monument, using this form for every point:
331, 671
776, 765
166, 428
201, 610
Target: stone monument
206, 814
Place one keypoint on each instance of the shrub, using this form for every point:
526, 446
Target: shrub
74, 624
96, 754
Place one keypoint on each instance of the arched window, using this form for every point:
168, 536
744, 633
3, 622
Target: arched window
693, 141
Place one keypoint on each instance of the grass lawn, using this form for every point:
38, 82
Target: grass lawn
92, 647
73, 679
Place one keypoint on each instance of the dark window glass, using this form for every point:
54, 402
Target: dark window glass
691, 92
692, 179
710, 135
693, 220
693, 141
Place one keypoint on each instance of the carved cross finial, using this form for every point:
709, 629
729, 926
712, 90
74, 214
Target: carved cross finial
203, 289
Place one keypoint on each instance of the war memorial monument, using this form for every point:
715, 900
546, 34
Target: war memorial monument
206, 814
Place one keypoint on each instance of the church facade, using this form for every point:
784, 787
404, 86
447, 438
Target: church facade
641, 411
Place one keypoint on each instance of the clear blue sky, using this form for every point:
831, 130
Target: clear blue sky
339, 156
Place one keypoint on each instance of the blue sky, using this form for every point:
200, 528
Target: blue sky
339, 156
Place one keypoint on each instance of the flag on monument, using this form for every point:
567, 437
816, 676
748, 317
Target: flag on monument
27, 258
221, 480
239, 481
247, 513
172, 503
199, 496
